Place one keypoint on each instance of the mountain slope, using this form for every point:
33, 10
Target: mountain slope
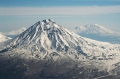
3, 38
48, 50
98, 32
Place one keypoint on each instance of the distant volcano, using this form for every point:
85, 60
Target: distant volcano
98, 32
3, 38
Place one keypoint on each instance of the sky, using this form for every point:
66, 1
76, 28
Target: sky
15, 14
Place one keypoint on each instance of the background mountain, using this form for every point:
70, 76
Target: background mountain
14, 33
98, 32
3, 38
48, 50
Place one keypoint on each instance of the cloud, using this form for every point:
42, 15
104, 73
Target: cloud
78, 10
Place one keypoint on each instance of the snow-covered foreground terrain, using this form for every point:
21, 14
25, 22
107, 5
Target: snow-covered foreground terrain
48, 50
98, 32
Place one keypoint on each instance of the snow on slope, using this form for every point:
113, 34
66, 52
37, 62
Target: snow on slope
95, 29
3, 38
48, 38
15, 32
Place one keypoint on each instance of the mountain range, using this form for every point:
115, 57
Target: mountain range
98, 32
48, 50
14, 33
3, 38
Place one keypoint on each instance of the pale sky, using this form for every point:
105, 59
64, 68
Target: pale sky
15, 14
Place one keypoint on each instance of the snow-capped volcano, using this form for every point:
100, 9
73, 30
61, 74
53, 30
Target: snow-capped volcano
95, 29
48, 50
3, 38
98, 32
47, 36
